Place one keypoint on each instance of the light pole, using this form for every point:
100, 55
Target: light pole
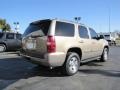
109, 20
77, 19
16, 26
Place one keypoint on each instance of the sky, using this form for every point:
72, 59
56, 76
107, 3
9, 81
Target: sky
93, 13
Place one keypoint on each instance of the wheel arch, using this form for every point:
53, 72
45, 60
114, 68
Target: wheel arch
76, 50
107, 47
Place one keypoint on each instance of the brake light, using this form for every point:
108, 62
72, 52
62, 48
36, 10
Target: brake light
51, 46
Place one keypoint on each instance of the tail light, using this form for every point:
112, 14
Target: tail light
51, 46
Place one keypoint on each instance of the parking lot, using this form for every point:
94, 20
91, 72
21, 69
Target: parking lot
18, 74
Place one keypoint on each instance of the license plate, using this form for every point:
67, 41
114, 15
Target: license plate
31, 44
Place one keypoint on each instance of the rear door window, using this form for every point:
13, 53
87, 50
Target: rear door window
42, 26
93, 33
64, 29
10, 36
83, 32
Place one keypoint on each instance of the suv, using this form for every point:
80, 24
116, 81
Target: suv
60, 43
10, 41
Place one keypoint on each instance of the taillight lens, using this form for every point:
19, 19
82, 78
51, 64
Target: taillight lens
51, 46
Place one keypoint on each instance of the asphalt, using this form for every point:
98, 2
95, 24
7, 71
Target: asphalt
18, 74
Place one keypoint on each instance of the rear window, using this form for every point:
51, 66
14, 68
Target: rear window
64, 29
1, 35
42, 25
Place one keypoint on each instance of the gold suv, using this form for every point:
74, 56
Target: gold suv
60, 43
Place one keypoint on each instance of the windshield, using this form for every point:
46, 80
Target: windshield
36, 26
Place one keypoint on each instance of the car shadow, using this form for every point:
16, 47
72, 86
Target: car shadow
18, 68
104, 72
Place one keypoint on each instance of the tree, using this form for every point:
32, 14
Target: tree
4, 26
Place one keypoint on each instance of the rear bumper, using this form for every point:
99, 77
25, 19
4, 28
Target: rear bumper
50, 60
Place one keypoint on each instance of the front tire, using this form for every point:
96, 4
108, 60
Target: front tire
72, 63
104, 56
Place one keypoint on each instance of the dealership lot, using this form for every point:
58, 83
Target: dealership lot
17, 74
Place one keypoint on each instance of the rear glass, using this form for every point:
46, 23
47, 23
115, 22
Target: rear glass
1, 35
36, 26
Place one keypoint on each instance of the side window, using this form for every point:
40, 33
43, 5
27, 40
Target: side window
18, 36
10, 36
64, 29
83, 32
93, 33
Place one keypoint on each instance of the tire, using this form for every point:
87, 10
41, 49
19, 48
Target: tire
2, 48
104, 56
72, 64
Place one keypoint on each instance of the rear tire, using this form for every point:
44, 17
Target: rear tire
104, 56
72, 64
2, 48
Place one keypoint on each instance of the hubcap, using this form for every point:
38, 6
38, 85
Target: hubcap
73, 64
1, 48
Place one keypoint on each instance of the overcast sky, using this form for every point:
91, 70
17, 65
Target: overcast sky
94, 13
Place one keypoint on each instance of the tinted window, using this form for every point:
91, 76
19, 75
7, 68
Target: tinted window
93, 34
64, 29
43, 26
18, 36
1, 35
10, 36
83, 32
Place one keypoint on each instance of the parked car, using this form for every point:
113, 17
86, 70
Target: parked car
64, 44
109, 37
10, 41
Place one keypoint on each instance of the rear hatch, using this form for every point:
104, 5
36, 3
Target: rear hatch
35, 39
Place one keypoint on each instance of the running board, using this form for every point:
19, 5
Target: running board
90, 59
